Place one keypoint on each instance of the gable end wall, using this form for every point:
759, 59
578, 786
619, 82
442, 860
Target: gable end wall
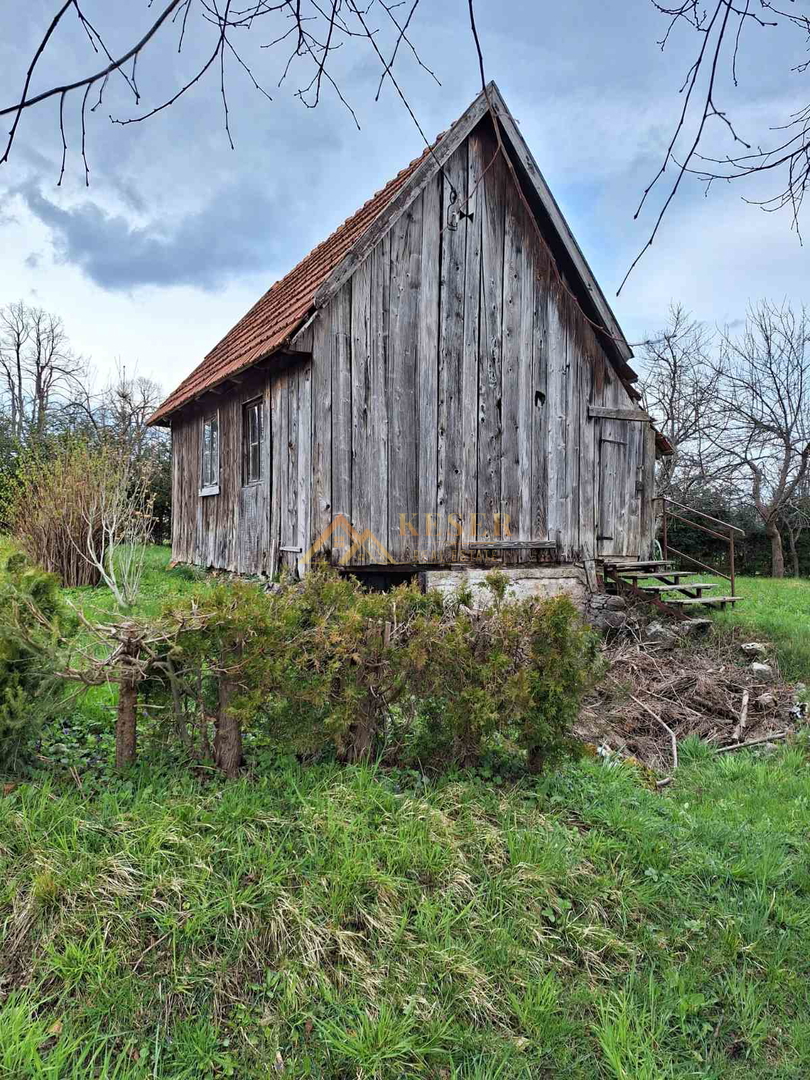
448, 392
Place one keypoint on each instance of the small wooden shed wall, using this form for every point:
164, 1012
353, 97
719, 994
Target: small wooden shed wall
453, 373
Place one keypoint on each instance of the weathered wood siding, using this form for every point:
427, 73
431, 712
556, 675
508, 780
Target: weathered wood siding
446, 400
250, 528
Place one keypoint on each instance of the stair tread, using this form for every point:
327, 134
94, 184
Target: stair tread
628, 567
656, 574
676, 588
705, 600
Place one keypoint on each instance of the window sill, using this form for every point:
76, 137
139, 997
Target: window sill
212, 490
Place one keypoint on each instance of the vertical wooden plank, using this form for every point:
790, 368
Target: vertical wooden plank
341, 318
490, 356
304, 463
540, 407
362, 390
524, 413
278, 435
570, 492
635, 480
427, 376
611, 488
403, 414
322, 409
379, 372
514, 271
477, 161
289, 559
615, 478
180, 494
648, 518
450, 507
556, 405
230, 481
587, 498
265, 492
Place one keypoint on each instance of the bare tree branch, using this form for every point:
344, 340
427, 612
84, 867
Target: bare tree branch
317, 29
721, 27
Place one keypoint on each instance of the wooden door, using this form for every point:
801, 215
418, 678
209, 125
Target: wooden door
620, 459
612, 452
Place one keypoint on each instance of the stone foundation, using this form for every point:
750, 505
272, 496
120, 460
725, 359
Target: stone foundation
602, 611
525, 583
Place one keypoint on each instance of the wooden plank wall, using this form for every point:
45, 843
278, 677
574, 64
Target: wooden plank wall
246, 527
448, 392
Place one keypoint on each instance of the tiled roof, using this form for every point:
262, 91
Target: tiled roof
284, 307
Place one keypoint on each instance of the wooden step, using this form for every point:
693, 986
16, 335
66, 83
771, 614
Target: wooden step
678, 588
624, 568
655, 574
712, 601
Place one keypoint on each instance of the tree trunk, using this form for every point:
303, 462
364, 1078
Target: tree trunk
228, 733
777, 554
126, 724
794, 554
361, 735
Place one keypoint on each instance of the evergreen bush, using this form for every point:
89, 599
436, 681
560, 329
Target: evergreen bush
325, 665
33, 622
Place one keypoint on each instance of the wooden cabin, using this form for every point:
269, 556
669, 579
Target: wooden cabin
438, 382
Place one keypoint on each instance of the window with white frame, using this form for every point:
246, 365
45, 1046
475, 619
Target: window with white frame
252, 441
210, 456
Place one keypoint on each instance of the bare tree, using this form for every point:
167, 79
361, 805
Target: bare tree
781, 149
300, 33
39, 372
795, 520
680, 391
122, 409
763, 390
118, 521
15, 331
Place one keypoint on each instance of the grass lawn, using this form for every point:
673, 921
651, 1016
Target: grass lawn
778, 610
158, 585
360, 924
347, 923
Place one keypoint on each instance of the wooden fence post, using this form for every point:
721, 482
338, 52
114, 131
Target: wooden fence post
126, 724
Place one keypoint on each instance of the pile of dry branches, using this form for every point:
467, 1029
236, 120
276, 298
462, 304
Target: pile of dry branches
651, 699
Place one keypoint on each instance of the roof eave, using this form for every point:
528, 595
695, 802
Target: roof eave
161, 417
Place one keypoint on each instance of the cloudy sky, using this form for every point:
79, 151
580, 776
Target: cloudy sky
177, 234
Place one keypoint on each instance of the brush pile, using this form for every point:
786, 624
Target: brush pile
724, 689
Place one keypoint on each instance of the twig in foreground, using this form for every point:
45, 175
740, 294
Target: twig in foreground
666, 728
752, 742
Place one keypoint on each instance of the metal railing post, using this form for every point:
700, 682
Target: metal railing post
731, 562
664, 529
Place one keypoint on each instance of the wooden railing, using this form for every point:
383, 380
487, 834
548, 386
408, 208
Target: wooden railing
728, 536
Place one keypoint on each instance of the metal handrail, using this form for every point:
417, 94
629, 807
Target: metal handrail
708, 517
729, 539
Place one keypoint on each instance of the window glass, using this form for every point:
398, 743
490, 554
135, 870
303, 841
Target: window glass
252, 434
210, 452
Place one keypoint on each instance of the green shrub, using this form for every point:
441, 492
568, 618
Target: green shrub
32, 623
325, 665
